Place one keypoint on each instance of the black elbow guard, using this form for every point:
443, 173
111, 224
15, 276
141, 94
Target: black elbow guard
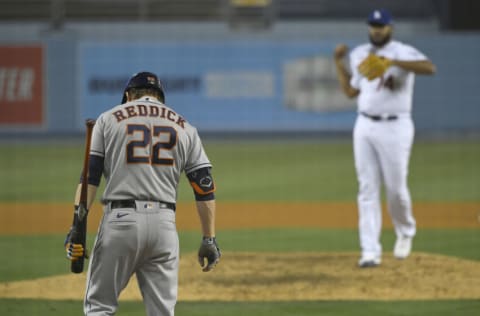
202, 183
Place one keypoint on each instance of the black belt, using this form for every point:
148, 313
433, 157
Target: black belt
131, 204
389, 117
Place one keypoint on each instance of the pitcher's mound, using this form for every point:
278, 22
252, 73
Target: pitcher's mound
242, 276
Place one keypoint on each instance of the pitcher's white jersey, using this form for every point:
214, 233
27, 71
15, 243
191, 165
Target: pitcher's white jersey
146, 146
393, 92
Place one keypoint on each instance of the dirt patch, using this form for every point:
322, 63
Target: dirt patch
293, 276
32, 218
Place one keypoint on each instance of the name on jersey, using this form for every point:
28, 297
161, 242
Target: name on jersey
148, 111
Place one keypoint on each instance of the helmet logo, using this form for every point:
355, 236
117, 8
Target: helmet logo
151, 80
377, 15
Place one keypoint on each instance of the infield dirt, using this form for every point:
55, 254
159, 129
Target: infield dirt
290, 277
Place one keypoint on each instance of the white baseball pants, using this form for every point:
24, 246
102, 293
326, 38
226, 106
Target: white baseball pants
382, 152
143, 241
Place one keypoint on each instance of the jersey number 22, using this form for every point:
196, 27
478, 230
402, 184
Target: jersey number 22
142, 145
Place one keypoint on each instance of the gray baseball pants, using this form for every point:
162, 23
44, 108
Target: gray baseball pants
141, 240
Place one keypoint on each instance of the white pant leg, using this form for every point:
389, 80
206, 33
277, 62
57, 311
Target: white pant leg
396, 144
113, 261
369, 179
157, 275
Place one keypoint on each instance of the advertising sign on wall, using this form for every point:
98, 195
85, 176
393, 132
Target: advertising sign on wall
21, 85
224, 86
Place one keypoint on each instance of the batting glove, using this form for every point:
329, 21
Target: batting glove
74, 251
209, 250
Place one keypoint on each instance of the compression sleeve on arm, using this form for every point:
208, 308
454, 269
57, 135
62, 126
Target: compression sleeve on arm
95, 170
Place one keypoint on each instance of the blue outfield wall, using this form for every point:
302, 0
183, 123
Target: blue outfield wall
239, 85
247, 86
450, 100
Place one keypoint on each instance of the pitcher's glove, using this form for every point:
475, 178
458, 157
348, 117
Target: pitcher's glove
374, 66
74, 251
209, 250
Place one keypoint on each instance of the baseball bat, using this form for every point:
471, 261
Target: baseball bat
79, 229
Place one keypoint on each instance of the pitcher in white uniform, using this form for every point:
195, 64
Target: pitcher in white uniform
383, 134
142, 147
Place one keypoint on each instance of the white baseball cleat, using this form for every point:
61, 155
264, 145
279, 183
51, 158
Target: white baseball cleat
369, 261
403, 247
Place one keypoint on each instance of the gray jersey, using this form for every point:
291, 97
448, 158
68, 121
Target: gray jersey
146, 147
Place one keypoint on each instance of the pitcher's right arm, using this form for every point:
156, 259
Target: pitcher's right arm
342, 73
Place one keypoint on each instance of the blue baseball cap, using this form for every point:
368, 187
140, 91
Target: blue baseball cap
379, 17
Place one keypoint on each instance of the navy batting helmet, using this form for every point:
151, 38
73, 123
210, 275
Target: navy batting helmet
145, 80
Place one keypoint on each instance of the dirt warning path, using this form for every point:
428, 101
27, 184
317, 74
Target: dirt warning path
31, 218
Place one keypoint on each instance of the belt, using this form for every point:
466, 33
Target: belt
383, 117
131, 204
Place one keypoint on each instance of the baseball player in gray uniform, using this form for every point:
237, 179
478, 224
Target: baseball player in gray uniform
382, 76
141, 147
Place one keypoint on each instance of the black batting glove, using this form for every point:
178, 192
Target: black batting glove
209, 250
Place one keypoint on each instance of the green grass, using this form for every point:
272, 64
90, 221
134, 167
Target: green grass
445, 172
39, 172
291, 171
256, 171
328, 308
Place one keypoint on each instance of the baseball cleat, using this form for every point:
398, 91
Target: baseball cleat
403, 247
369, 261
